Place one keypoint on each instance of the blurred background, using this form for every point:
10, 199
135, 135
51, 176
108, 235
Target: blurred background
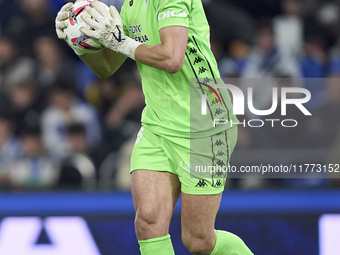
62, 130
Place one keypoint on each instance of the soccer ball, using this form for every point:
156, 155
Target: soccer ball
75, 38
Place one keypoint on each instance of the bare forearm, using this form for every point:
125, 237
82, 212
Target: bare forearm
158, 56
167, 56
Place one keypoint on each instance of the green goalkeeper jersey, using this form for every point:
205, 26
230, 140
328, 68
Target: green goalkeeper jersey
173, 101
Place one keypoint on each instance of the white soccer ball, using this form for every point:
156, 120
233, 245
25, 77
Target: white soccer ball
77, 39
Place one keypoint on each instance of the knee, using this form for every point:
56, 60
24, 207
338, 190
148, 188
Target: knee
199, 244
145, 219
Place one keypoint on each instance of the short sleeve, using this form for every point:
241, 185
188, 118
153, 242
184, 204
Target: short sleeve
173, 13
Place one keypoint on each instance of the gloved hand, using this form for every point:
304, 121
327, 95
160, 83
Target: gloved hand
61, 23
108, 29
61, 20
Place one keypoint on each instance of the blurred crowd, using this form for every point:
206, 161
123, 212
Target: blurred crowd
61, 127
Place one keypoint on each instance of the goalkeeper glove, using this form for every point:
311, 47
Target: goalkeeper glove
61, 23
108, 29
61, 20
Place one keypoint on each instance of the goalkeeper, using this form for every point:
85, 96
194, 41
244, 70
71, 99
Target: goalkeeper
169, 40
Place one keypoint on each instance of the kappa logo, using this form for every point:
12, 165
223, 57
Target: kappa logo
201, 183
219, 173
219, 143
219, 111
202, 70
220, 153
218, 183
220, 163
206, 80
215, 102
169, 14
198, 60
193, 50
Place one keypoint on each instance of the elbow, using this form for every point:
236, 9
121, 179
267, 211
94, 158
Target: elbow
174, 65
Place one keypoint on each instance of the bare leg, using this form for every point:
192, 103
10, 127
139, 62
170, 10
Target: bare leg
155, 195
198, 222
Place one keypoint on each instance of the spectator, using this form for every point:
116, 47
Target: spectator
13, 66
34, 168
284, 137
52, 65
266, 61
328, 18
312, 64
35, 20
26, 103
233, 65
7, 10
109, 93
288, 28
229, 23
122, 115
324, 126
78, 169
55, 5
77, 137
85, 80
64, 108
35, 68
9, 146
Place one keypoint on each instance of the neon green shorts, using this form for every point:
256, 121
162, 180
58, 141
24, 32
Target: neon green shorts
201, 164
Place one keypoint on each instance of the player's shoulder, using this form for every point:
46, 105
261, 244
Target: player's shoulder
123, 6
161, 3
127, 4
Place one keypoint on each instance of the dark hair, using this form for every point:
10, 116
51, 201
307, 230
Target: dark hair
31, 130
61, 87
265, 24
6, 114
76, 128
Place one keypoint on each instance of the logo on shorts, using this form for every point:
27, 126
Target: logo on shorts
220, 153
220, 163
201, 183
218, 183
219, 143
139, 135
